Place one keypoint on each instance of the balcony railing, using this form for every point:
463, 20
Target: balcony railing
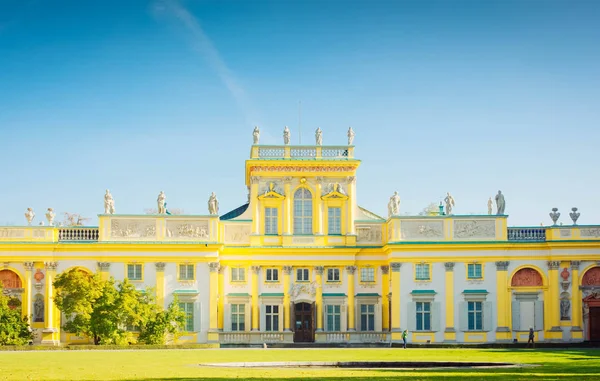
78, 234
527, 234
255, 337
302, 152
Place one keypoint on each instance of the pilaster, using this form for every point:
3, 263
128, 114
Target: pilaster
555, 332
351, 270
254, 204
319, 205
395, 294
576, 318
221, 298
255, 310
104, 268
351, 204
160, 283
213, 293
385, 297
26, 311
449, 332
287, 210
50, 333
319, 297
287, 270
503, 333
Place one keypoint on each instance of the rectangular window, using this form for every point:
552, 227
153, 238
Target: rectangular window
334, 217
188, 309
134, 272
367, 274
271, 221
186, 272
333, 318
302, 275
272, 318
272, 275
333, 275
474, 271
238, 274
367, 317
422, 271
238, 317
475, 316
423, 316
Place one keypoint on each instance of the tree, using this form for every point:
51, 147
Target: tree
14, 329
160, 324
430, 210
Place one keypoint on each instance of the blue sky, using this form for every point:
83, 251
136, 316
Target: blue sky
141, 96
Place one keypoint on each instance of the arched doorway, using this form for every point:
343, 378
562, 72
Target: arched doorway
590, 284
304, 322
11, 287
527, 306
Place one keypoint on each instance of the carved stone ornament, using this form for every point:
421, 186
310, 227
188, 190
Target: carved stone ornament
132, 228
422, 230
28, 266
565, 274
502, 265
385, 269
103, 266
565, 285
160, 266
396, 266
287, 270
591, 277
303, 288
255, 269
474, 229
589, 232
319, 270
527, 277
29, 215
213, 267
351, 179
553, 265
185, 230
254, 179
554, 215
449, 266
38, 276
574, 215
51, 266
350, 269
287, 179
575, 265
369, 233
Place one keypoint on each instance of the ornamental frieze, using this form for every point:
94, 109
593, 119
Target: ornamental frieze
294, 168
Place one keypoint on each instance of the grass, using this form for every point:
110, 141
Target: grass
182, 365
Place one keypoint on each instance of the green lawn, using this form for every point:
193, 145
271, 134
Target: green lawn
183, 364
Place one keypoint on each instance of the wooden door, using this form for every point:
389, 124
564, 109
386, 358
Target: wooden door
594, 323
303, 323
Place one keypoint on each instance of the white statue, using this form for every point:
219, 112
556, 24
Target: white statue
30, 215
213, 204
490, 206
286, 135
319, 136
449, 200
161, 203
350, 136
500, 203
394, 205
256, 134
50, 216
109, 203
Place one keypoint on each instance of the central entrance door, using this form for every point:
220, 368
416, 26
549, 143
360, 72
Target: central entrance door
304, 322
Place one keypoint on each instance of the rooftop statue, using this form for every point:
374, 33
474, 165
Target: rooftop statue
162, 198
213, 204
286, 135
394, 205
490, 206
449, 200
109, 203
256, 134
500, 204
350, 136
319, 137
29, 215
50, 216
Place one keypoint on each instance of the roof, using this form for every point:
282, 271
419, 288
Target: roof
235, 212
364, 214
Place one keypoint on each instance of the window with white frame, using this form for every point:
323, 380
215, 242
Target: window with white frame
422, 271
423, 316
302, 275
186, 272
238, 274
303, 212
188, 309
475, 316
333, 313
474, 271
238, 317
272, 275
271, 221
134, 271
333, 275
367, 317
334, 220
367, 274
272, 318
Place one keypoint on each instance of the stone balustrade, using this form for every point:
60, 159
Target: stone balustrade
255, 337
302, 152
78, 233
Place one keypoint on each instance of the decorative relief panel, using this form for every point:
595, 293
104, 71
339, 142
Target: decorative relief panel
368, 233
422, 230
565, 232
237, 233
12, 233
527, 277
590, 232
303, 240
475, 229
591, 277
133, 229
188, 230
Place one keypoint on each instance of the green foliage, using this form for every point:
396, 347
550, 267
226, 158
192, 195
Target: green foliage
103, 309
14, 329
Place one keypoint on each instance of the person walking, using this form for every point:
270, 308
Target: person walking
531, 336
404, 335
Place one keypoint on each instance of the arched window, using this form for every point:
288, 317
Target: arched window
302, 211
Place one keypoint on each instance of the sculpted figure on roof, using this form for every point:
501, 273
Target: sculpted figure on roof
213, 204
256, 134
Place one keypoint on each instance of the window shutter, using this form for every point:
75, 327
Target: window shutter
516, 315
378, 317
463, 316
435, 316
248, 317
539, 315
412, 316
263, 319
344, 318
487, 316
227, 317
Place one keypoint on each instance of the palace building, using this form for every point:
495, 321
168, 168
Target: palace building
301, 261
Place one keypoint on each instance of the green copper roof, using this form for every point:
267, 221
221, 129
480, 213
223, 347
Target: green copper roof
238, 294
235, 213
475, 292
333, 294
422, 292
272, 294
368, 294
